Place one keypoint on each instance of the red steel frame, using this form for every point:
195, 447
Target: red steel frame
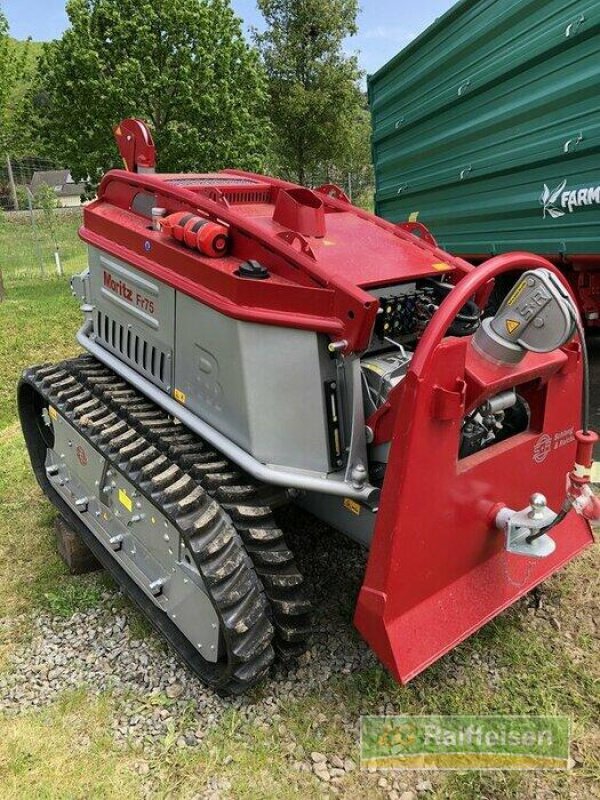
437, 569
304, 295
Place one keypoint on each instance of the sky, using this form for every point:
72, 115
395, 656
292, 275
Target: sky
385, 26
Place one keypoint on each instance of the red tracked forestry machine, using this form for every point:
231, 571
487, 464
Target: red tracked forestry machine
250, 342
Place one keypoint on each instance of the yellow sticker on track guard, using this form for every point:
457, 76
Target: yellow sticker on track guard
125, 500
440, 266
179, 396
512, 325
52, 412
352, 506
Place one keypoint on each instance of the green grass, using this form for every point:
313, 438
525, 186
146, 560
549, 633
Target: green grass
74, 596
27, 250
37, 324
67, 751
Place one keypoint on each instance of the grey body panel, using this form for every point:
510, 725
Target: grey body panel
134, 316
260, 385
305, 480
355, 521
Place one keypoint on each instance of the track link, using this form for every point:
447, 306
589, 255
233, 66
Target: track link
217, 549
181, 471
247, 502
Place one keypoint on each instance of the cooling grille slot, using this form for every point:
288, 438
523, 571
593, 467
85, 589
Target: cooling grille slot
211, 180
239, 196
148, 358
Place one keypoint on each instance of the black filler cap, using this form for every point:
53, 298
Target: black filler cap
253, 269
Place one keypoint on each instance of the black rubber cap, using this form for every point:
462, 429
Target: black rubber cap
253, 269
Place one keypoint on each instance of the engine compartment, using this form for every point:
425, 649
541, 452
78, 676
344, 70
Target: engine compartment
404, 313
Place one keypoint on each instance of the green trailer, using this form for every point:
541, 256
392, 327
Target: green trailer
486, 128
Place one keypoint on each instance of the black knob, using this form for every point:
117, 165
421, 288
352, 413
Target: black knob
253, 269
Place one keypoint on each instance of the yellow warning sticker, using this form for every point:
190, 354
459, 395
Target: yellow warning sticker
512, 325
414, 217
52, 412
179, 396
125, 500
517, 293
352, 506
440, 266
595, 473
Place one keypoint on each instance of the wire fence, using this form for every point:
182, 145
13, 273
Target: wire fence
40, 214
36, 246
17, 179
358, 184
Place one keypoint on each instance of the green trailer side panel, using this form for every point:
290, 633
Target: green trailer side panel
488, 127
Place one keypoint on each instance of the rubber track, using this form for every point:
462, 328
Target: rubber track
247, 502
139, 454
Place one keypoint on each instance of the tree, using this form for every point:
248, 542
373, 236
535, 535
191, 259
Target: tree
6, 77
313, 85
19, 132
182, 65
17, 67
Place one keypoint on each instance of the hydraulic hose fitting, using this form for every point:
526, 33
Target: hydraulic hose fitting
580, 493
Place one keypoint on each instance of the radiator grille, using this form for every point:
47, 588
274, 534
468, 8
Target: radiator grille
240, 196
257, 196
151, 360
211, 180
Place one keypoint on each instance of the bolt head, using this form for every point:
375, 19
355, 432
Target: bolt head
538, 501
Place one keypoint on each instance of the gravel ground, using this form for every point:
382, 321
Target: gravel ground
155, 696
96, 649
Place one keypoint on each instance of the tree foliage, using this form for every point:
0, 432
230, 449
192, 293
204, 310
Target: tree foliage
5, 69
315, 98
182, 65
16, 71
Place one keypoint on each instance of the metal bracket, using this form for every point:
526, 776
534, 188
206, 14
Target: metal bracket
333, 190
573, 142
81, 504
519, 525
573, 27
463, 87
116, 542
292, 238
356, 469
156, 586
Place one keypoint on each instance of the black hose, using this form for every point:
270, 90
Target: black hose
468, 318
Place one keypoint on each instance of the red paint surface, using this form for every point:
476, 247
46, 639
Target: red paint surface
437, 569
317, 282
